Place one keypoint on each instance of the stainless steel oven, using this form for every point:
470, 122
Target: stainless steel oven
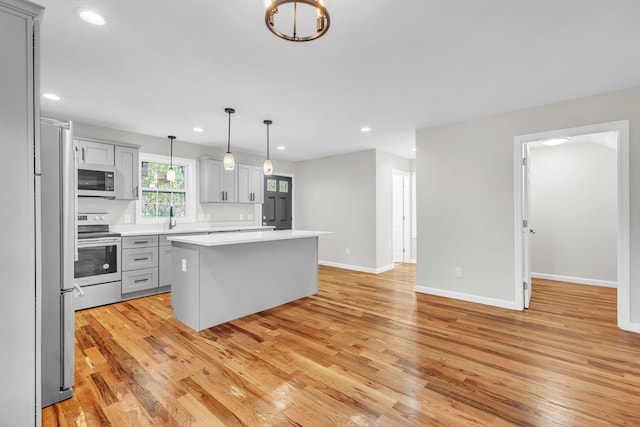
98, 251
98, 261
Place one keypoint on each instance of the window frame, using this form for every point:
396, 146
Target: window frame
189, 187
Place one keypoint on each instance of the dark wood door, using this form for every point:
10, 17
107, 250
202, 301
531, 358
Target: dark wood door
277, 209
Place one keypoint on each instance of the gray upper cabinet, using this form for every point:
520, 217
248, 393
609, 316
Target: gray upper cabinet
95, 152
127, 172
250, 183
124, 157
19, 259
216, 183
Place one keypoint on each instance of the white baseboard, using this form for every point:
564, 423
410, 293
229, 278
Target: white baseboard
579, 280
511, 305
356, 267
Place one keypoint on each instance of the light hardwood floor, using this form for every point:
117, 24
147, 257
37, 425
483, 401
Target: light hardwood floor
366, 350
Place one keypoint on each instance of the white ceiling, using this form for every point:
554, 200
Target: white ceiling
161, 67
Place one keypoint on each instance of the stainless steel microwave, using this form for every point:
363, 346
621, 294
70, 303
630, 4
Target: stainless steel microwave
96, 181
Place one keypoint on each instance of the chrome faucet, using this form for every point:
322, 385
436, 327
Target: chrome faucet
172, 222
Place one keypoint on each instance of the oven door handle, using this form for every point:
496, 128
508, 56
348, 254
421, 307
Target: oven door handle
97, 242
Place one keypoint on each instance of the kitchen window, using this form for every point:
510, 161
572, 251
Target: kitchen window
157, 194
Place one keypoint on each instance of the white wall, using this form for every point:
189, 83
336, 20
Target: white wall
573, 210
215, 212
465, 191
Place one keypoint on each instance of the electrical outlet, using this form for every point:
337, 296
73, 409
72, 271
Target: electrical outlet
241, 217
347, 251
184, 265
458, 272
127, 219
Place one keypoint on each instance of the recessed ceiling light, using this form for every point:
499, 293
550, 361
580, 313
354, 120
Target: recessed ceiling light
281, 147
92, 17
51, 96
555, 141
365, 129
414, 148
197, 129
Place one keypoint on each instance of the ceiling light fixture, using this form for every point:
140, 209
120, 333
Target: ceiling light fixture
229, 162
321, 16
171, 173
51, 96
92, 17
197, 129
365, 129
281, 147
555, 141
268, 164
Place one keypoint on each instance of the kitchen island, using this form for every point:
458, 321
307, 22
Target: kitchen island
221, 277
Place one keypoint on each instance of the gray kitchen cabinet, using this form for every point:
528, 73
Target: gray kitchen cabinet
127, 164
216, 183
164, 264
92, 152
250, 183
19, 257
139, 266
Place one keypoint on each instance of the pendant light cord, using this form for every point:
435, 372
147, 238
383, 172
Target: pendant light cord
268, 140
229, 134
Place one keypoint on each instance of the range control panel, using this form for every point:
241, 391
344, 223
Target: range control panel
93, 219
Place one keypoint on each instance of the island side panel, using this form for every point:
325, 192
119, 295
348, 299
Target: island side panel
238, 280
185, 290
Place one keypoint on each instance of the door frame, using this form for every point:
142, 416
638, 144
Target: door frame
623, 214
293, 198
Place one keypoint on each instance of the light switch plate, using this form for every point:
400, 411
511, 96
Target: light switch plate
184, 265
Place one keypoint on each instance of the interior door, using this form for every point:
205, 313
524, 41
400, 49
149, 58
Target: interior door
398, 222
527, 232
277, 207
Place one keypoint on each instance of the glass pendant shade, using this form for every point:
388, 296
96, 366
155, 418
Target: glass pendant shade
267, 167
229, 161
171, 175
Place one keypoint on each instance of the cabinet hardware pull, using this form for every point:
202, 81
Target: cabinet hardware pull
140, 280
141, 259
83, 154
139, 242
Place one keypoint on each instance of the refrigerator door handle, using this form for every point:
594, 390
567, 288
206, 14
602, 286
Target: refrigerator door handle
69, 216
67, 338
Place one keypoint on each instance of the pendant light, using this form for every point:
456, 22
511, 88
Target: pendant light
229, 162
171, 173
268, 164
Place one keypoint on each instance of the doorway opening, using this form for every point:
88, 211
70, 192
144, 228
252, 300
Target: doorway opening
401, 216
277, 209
523, 229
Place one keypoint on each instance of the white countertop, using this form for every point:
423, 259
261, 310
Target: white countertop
139, 230
246, 237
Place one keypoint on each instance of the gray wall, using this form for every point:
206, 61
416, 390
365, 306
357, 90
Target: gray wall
338, 194
385, 165
213, 212
465, 195
573, 210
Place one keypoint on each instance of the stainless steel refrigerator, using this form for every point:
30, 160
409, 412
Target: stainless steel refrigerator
58, 231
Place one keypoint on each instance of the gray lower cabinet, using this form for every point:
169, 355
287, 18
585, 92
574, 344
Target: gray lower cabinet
139, 266
164, 263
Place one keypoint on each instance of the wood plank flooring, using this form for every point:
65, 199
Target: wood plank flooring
365, 351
